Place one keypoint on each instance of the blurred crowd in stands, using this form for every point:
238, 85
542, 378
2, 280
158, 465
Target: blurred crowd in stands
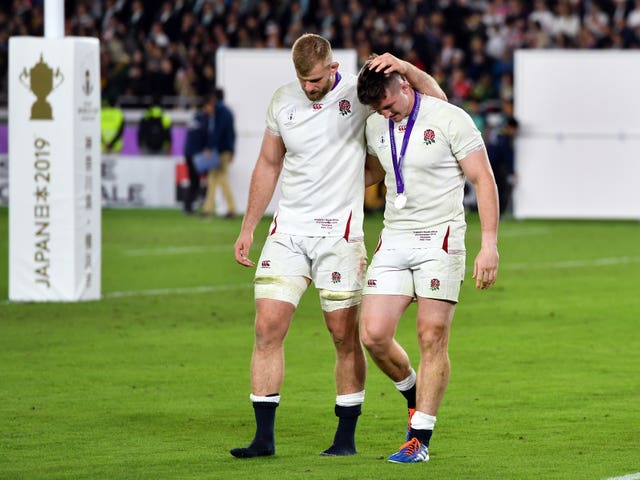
168, 48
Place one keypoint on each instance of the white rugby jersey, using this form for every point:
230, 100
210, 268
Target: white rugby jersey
322, 180
442, 135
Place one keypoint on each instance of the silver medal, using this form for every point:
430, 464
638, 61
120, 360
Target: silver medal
401, 201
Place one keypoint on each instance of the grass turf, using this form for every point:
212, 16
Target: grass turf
152, 381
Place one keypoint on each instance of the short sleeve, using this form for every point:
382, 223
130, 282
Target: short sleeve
272, 116
464, 136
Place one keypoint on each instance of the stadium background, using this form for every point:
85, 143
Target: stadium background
169, 48
152, 381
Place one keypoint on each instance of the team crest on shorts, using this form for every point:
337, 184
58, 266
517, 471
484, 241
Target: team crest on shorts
344, 106
435, 284
336, 277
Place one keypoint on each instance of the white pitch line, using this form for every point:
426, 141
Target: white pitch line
631, 476
240, 286
570, 263
178, 291
513, 266
524, 232
141, 252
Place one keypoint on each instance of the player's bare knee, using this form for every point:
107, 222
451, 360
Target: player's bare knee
345, 338
283, 288
268, 333
366, 339
434, 336
374, 344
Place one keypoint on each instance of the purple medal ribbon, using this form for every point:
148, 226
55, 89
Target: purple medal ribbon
338, 77
397, 162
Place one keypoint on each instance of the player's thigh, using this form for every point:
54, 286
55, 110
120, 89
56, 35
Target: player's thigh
434, 321
380, 315
343, 324
273, 319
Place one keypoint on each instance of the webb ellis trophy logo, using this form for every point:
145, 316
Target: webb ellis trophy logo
40, 80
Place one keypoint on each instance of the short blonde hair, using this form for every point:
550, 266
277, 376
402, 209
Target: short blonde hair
309, 50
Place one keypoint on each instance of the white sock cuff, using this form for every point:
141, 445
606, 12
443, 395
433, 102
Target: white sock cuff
350, 399
423, 421
407, 383
271, 399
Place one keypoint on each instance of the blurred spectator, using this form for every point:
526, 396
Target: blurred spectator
542, 16
483, 90
477, 63
537, 36
501, 154
633, 20
111, 126
210, 135
506, 86
154, 129
185, 87
566, 22
169, 21
138, 22
596, 21
222, 138
459, 86
475, 112
169, 46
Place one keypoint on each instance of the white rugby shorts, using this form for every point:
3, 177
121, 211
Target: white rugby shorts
332, 263
426, 272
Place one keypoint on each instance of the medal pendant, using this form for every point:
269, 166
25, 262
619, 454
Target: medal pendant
401, 201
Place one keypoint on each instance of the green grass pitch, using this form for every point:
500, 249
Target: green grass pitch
152, 381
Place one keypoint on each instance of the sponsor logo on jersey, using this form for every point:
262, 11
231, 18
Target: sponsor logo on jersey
344, 106
317, 106
402, 128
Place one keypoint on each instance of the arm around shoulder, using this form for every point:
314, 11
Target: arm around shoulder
419, 80
423, 82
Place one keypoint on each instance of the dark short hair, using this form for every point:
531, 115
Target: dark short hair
372, 85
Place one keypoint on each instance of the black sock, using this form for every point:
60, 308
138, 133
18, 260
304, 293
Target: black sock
410, 395
265, 413
423, 435
263, 443
344, 441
